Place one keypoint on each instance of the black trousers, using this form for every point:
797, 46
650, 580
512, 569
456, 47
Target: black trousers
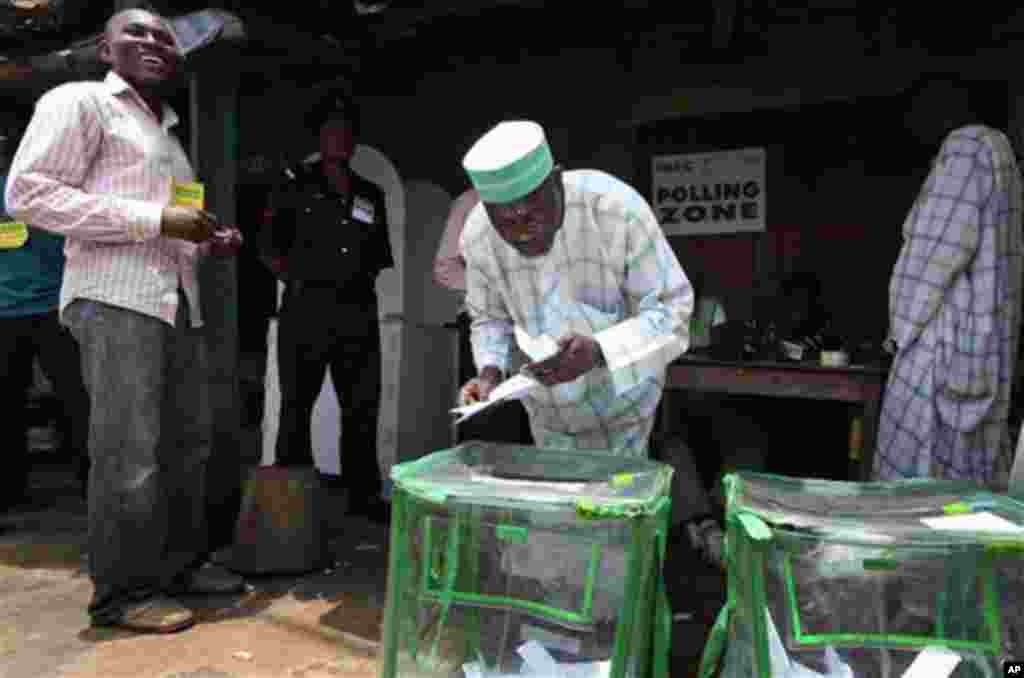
22, 340
319, 328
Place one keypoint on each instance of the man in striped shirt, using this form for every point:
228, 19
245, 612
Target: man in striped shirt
96, 165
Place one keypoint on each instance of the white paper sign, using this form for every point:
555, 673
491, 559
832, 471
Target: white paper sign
721, 192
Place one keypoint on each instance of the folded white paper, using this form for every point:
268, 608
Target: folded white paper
538, 659
537, 348
538, 663
511, 389
933, 662
974, 522
784, 667
629, 346
565, 643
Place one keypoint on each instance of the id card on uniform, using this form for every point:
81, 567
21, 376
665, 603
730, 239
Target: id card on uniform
188, 194
13, 234
362, 210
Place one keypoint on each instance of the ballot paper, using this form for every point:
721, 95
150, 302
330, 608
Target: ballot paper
784, 667
537, 348
538, 662
530, 485
511, 389
188, 194
974, 522
933, 662
13, 234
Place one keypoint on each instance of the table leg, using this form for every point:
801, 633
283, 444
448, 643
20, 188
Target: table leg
659, 430
872, 410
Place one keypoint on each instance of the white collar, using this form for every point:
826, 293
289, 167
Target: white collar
118, 85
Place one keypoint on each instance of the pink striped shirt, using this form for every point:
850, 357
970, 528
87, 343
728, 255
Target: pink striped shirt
449, 266
95, 165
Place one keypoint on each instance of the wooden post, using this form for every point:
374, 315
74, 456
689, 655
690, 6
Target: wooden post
214, 119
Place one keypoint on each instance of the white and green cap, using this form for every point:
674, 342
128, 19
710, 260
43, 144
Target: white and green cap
509, 161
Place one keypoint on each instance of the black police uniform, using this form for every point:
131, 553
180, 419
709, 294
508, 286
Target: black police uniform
335, 247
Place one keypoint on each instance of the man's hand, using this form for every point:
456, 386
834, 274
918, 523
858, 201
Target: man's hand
478, 390
187, 223
577, 355
277, 265
226, 242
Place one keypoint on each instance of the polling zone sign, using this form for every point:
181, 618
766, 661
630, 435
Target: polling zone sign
721, 192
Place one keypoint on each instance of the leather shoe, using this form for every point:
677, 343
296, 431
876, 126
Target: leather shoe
156, 615
210, 579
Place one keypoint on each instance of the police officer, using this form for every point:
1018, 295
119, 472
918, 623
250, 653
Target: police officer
326, 236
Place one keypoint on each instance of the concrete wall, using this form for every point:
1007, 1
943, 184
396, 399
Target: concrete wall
215, 156
427, 207
428, 347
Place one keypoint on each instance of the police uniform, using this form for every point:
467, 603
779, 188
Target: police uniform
335, 246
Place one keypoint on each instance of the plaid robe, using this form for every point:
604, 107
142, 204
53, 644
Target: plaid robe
610, 274
955, 317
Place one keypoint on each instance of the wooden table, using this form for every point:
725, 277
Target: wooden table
854, 384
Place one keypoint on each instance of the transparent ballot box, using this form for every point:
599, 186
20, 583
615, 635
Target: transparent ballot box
865, 580
508, 560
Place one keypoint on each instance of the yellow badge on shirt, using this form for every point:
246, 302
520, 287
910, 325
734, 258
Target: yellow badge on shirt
13, 234
188, 194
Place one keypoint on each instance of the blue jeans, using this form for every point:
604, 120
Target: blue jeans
150, 438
